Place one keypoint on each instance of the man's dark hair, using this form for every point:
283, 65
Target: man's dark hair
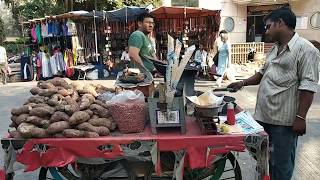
284, 13
223, 32
141, 17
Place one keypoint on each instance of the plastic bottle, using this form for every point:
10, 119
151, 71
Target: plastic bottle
230, 114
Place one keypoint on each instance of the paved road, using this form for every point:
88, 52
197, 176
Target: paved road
308, 153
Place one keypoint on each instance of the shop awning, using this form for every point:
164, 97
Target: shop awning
129, 13
182, 12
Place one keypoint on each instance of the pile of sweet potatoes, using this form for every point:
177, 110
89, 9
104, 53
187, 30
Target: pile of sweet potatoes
60, 109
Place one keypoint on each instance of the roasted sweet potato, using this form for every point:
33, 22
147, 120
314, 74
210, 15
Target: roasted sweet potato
64, 92
102, 131
48, 92
21, 118
58, 127
75, 96
113, 126
45, 85
89, 112
86, 101
100, 111
59, 116
13, 124
36, 99
25, 129
21, 110
38, 121
94, 116
73, 133
60, 82
79, 117
101, 122
42, 111
100, 103
38, 133
15, 134
35, 90
58, 135
90, 90
89, 134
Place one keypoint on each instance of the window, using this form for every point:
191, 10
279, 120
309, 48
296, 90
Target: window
188, 3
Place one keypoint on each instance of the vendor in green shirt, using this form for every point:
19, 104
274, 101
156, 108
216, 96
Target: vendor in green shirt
140, 47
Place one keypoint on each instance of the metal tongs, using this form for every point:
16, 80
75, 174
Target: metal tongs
223, 89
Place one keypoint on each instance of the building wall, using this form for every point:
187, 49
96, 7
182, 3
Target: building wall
306, 8
239, 14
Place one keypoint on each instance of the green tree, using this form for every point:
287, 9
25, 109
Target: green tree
2, 31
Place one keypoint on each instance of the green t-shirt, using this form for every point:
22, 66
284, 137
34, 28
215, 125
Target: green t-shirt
139, 40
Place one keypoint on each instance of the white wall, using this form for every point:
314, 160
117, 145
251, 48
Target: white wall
307, 8
239, 14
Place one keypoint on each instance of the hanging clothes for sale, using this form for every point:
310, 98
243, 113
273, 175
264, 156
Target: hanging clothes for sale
68, 59
33, 33
39, 65
44, 29
57, 62
38, 33
50, 28
64, 28
72, 29
45, 63
26, 71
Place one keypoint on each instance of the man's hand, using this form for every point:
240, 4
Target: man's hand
236, 86
299, 126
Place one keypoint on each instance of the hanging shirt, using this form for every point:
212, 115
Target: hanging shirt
45, 66
33, 34
200, 57
38, 33
44, 30
64, 29
50, 29
72, 29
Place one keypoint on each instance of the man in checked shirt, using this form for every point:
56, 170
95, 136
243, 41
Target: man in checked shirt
288, 81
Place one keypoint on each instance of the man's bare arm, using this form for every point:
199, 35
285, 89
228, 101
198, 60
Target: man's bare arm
305, 101
134, 55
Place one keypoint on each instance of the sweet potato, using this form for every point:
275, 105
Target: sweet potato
13, 124
86, 101
100, 111
38, 121
101, 122
71, 109
91, 90
94, 116
102, 131
75, 96
35, 90
21, 118
48, 92
21, 110
54, 101
42, 111
59, 116
60, 82
25, 129
100, 103
45, 85
36, 99
102, 88
31, 105
38, 132
89, 134
64, 92
79, 117
73, 133
89, 112
58, 127
15, 134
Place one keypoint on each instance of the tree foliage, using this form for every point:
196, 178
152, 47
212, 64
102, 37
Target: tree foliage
2, 31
